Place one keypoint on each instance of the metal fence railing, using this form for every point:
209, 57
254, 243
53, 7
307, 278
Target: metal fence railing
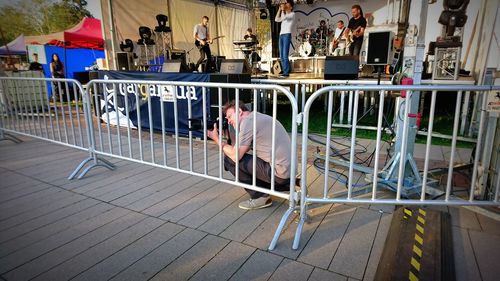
164, 124
408, 183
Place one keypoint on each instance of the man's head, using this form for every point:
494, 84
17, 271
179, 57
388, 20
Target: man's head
322, 23
204, 20
35, 57
249, 31
340, 24
229, 110
356, 11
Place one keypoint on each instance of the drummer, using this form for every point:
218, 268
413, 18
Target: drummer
322, 30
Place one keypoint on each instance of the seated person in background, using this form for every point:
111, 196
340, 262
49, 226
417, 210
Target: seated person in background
263, 152
35, 65
250, 36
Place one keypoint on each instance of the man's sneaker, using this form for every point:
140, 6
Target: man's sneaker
259, 203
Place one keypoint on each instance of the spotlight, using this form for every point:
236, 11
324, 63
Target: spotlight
127, 46
145, 34
263, 14
162, 23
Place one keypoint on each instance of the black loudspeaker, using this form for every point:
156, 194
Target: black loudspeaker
125, 61
82, 76
379, 48
341, 67
233, 66
228, 93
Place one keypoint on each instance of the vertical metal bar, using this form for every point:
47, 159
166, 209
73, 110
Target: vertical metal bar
237, 113
204, 112
465, 111
402, 159
328, 142
50, 114
70, 109
353, 144
342, 104
296, 92
19, 115
139, 123
273, 139
176, 124
163, 140
479, 143
79, 98
127, 114
377, 143
63, 111
428, 144
303, 98
453, 145
98, 111
349, 108
57, 113
118, 123
36, 94
254, 141
108, 126
190, 134
151, 133
221, 153
32, 115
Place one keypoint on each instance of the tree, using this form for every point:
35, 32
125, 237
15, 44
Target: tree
36, 17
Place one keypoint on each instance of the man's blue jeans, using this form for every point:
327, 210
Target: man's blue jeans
284, 46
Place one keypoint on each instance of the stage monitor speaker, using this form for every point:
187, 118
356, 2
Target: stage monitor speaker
228, 93
172, 66
233, 66
379, 48
125, 61
341, 67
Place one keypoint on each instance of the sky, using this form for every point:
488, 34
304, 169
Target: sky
94, 6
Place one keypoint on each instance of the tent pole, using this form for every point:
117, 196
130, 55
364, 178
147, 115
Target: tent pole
169, 9
112, 33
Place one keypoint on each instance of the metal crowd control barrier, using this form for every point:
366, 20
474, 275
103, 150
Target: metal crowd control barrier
377, 179
129, 104
61, 117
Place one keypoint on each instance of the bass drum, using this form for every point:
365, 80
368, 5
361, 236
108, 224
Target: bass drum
306, 50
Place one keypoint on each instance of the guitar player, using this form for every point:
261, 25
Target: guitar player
356, 28
202, 41
339, 46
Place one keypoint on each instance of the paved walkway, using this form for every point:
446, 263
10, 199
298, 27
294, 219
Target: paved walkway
141, 223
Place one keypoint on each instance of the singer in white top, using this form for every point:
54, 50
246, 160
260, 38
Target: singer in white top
286, 16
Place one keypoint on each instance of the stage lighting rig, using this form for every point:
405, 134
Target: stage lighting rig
162, 23
145, 36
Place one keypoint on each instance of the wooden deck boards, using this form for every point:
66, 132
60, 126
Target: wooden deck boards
140, 222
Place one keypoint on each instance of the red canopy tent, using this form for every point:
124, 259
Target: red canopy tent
86, 34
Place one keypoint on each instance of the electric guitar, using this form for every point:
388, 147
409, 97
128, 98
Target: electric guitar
335, 42
199, 45
354, 34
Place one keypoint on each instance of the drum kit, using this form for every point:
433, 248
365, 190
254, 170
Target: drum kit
314, 41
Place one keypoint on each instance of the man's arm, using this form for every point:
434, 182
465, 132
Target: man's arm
230, 151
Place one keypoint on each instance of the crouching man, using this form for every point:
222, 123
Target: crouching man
264, 125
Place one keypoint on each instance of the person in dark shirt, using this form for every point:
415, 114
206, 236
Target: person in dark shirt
35, 65
250, 36
356, 28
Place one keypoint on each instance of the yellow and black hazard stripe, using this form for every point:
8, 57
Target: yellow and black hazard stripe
418, 243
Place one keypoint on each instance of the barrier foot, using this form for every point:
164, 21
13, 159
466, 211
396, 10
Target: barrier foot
72, 176
10, 137
97, 162
298, 232
104, 163
281, 225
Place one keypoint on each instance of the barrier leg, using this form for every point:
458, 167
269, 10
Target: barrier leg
98, 161
280, 227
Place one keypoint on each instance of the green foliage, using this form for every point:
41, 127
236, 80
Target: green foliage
36, 17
